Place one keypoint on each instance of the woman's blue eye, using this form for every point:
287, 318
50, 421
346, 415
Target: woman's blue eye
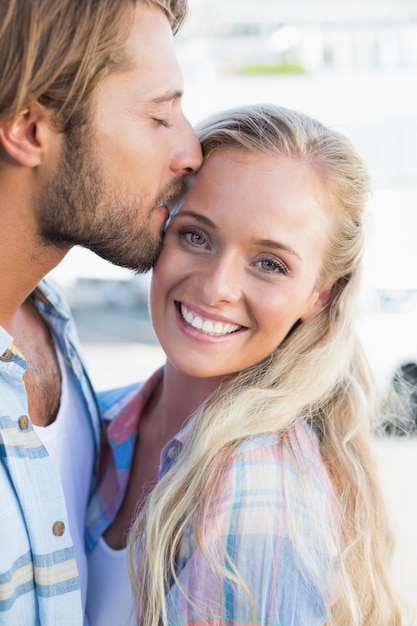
196, 239
273, 266
270, 266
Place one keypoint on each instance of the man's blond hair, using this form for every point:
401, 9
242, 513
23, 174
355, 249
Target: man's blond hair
57, 52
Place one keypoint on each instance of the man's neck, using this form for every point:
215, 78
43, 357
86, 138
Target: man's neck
23, 264
18, 282
24, 258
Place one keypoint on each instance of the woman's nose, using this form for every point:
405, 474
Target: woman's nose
223, 281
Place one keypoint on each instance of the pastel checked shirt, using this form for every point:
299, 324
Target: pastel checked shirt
250, 524
39, 582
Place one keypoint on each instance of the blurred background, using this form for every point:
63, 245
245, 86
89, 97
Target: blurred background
354, 66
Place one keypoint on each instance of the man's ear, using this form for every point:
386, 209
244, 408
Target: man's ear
317, 303
23, 138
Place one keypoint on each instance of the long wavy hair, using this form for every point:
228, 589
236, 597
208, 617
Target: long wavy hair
57, 52
318, 374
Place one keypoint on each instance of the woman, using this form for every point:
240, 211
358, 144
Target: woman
251, 475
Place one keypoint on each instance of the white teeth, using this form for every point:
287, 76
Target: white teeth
197, 323
207, 326
186, 315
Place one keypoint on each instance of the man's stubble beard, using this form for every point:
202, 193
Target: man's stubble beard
76, 208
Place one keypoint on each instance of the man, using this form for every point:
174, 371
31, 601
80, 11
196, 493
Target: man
93, 143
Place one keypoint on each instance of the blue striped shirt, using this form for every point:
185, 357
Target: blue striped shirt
39, 581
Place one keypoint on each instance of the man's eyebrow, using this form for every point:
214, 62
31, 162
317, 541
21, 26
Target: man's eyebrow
167, 97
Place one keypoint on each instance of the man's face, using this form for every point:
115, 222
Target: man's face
117, 171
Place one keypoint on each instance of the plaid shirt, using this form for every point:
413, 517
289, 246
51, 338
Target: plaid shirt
39, 581
249, 526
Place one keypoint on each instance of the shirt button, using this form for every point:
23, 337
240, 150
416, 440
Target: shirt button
7, 355
58, 529
24, 422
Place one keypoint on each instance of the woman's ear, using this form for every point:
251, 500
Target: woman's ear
318, 301
23, 138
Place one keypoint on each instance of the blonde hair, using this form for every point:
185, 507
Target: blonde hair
58, 51
318, 373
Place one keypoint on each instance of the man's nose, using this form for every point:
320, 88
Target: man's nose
187, 157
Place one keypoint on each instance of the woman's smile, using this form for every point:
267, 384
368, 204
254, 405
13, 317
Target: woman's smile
205, 324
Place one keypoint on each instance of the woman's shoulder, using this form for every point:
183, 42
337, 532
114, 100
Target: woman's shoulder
273, 474
294, 454
300, 441
113, 403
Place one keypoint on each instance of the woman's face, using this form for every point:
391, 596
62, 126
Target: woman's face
240, 262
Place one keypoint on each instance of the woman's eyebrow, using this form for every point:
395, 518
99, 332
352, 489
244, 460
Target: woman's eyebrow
197, 216
267, 243
270, 243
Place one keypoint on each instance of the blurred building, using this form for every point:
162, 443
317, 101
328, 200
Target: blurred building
302, 35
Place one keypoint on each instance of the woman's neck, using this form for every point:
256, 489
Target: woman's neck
179, 397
